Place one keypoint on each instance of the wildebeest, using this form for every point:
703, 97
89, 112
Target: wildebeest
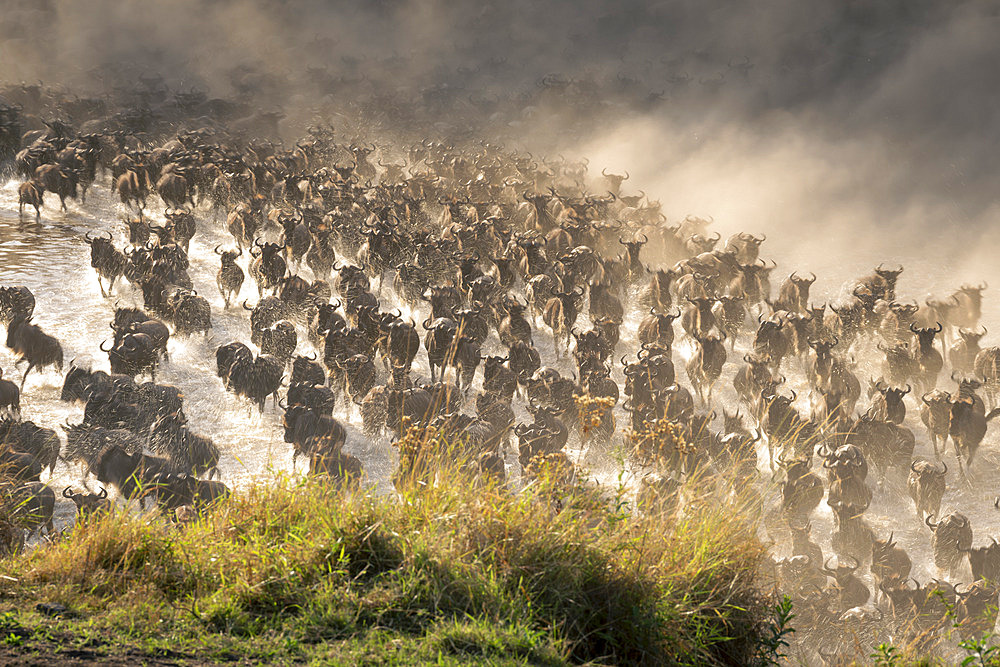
132, 188
976, 609
793, 295
134, 354
10, 397
173, 189
188, 312
967, 429
888, 404
705, 367
88, 504
310, 432
32, 194
174, 490
926, 486
770, 342
32, 505
255, 379
969, 305
890, 567
848, 588
230, 277
268, 266
306, 370
929, 360
952, 536
279, 340
58, 180
106, 260
987, 366
965, 350
658, 328
985, 561
15, 302
935, 413
33, 345
131, 474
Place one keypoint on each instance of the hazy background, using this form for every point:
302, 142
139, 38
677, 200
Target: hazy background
849, 131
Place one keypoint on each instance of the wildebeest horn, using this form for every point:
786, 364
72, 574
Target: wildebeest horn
217, 250
929, 523
103, 494
101, 347
245, 306
68, 492
938, 327
86, 237
793, 394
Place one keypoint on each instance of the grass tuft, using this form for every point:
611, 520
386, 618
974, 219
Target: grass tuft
458, 571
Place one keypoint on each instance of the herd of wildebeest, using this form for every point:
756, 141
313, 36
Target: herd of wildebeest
521, 266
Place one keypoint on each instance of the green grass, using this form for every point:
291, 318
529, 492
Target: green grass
445, 573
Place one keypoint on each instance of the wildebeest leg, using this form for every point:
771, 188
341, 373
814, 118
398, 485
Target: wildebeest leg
62, 200
958, 455
30, 366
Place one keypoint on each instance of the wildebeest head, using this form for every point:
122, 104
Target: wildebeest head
88, 503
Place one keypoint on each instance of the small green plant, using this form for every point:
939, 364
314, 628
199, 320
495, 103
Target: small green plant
886, 655
781, 629
980, 651
13, 639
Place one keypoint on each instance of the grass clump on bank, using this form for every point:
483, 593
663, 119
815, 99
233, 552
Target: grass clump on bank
449, 571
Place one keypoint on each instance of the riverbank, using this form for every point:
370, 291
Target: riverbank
458, 572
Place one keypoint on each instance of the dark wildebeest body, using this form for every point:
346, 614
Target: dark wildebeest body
34, 346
